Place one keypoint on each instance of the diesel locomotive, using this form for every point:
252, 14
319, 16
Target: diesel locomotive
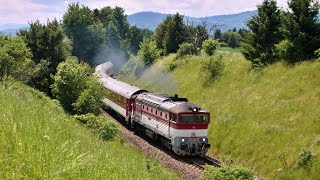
179, 125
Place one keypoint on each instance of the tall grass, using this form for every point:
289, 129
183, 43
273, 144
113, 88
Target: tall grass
262, 119
39, 141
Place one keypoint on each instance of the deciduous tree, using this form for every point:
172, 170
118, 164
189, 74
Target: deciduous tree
86, 32
49, 43
148, 51
15, 58
75, 88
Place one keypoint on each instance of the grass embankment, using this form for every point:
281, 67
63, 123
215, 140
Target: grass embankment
261, 119
39, 141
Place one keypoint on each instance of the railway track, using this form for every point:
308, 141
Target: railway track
202, 161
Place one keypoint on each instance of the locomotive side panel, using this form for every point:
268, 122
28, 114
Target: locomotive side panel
153, 119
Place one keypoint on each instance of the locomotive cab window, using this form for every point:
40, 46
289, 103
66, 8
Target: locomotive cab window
193, 118
174, 117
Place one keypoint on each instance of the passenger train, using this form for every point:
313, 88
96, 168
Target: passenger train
179, 125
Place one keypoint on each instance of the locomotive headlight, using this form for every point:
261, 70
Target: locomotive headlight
203, 139
194, 109
184, 140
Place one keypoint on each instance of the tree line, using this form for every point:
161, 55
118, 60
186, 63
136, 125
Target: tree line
56, 57
274, 34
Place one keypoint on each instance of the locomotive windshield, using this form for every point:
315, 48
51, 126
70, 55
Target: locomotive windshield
193, 118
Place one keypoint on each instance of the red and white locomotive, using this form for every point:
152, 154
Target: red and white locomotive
177, 124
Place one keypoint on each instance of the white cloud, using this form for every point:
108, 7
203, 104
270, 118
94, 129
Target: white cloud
17, 11
196, 8
22, 11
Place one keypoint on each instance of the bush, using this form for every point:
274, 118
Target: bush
284, 49
75, 88
227, 173
148, 51
185, 49
223, 44
15, 58
213, 67
106, 130
89, 99
210, 46
172, 65
317, 53
304, 158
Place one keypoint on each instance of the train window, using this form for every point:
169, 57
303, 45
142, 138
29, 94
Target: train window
161, 114
174, 117
143, 107
147, 108
193, 118
151, 110
166, 116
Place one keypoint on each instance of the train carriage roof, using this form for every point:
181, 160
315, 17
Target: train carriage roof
119, 87
173, 104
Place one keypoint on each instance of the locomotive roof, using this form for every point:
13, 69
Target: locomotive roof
119, 87
165, 102
187, 107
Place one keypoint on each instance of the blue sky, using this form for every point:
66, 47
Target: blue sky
23, 11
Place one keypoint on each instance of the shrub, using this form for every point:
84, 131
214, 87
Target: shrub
228, 173
317, 53
210, 46
106, 130
75, 88
185, 49
213, 67
223, 44
148, 51
89, 99
304, 158
284, 49
172, 65
15, 58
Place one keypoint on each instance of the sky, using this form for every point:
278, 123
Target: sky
24, 11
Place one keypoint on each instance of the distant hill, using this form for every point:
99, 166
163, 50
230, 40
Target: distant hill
12, 29
151, 20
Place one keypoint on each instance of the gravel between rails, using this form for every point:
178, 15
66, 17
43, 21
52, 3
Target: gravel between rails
162, 155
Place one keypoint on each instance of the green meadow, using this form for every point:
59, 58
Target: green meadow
261, 119
38, 140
